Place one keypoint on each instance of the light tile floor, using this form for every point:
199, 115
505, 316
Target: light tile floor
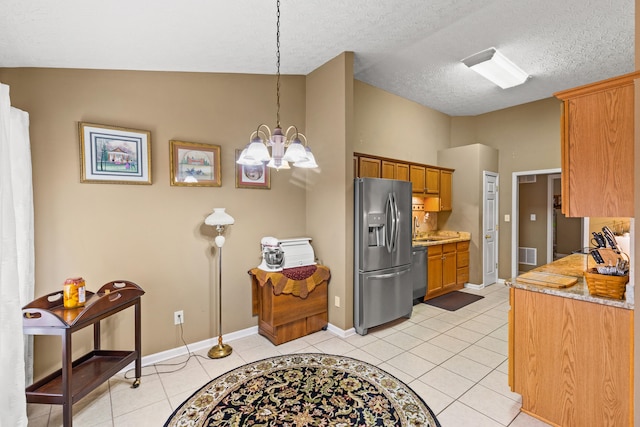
456, 361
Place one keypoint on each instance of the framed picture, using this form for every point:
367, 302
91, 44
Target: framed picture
194, 164
114, 155
252, 176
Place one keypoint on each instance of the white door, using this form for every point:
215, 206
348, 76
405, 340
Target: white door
490, 228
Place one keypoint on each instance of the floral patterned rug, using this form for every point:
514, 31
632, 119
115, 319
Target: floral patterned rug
299, 390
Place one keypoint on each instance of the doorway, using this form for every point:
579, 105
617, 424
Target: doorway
535, 221
564, 234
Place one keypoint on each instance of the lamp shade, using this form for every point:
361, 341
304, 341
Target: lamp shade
219, 217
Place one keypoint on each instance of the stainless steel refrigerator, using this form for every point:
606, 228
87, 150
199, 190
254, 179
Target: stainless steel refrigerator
383, 289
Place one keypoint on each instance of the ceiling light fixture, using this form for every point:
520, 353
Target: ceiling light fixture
297, 153
495, 67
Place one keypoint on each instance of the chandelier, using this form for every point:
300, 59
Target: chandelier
286, 147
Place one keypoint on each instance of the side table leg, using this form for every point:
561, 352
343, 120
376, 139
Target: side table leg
67, 367
138, 339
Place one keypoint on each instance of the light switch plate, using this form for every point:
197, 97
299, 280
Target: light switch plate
507, 218
533, 217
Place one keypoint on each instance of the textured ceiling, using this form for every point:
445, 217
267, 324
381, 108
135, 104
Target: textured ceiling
411, 48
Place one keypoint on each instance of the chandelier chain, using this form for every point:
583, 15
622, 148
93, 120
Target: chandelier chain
278, 64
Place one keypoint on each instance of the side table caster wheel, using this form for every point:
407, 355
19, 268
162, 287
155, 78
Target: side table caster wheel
136, 383
324, 328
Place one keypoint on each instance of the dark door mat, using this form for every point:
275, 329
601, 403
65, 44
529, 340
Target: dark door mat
453, 300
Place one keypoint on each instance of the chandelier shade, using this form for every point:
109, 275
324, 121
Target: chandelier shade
286, 148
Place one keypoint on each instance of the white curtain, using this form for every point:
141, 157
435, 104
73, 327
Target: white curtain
16, 259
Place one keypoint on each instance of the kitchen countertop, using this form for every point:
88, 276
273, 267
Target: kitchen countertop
573, 265
440, 238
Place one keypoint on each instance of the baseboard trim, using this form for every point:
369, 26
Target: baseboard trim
341, 332
162, 356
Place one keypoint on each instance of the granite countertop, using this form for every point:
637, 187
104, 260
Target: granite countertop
572, 265
433, 238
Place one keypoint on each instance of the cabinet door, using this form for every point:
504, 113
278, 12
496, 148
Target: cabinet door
432, 181
434, 269
570, 360
369, 168
388, 170
417, 174
449, 265
402, 171
598, 148
445, 190
462, 263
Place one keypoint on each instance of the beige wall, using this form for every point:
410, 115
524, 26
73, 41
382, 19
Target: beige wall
330, 192
469, 162
390, 126
161, 242
527, 138
154, 235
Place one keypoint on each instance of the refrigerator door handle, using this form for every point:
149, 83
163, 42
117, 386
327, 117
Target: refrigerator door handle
391, 223
396, 227
386, 276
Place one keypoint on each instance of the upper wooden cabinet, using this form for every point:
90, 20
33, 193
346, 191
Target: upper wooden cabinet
394, 170
369, 167
597, 148
446, 181
432, 181
442, 200
417, 176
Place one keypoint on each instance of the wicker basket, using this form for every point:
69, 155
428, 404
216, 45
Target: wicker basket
604, 285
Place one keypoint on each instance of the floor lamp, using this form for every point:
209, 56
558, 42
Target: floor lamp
219, 218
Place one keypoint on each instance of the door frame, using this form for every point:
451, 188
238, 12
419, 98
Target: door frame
550, 179
515, 212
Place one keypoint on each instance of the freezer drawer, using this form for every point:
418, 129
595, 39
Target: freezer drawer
382, 296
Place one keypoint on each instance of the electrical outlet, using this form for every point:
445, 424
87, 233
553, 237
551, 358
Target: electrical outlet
178, 317
336, 301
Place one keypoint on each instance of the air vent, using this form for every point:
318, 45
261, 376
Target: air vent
526, 179
528, 256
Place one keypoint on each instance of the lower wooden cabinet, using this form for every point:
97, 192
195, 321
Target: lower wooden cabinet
442, 269
571, 360
462, 263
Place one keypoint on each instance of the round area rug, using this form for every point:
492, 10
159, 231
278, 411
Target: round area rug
300, 390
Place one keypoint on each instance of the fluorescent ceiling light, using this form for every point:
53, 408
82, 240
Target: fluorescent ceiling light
494, 66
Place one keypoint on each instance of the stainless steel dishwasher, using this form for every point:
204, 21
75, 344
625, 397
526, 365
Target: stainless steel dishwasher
419, 272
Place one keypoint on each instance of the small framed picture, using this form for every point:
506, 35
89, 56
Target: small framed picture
114, 155
252, 176
194, 164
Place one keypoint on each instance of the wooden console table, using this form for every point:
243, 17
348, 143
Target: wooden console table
47, 316
288, 304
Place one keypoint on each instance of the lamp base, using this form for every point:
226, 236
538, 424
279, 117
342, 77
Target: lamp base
219, 351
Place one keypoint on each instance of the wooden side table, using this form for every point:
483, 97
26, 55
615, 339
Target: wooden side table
47, 316
289, 308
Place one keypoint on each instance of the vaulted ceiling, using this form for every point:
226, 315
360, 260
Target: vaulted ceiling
411, 48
